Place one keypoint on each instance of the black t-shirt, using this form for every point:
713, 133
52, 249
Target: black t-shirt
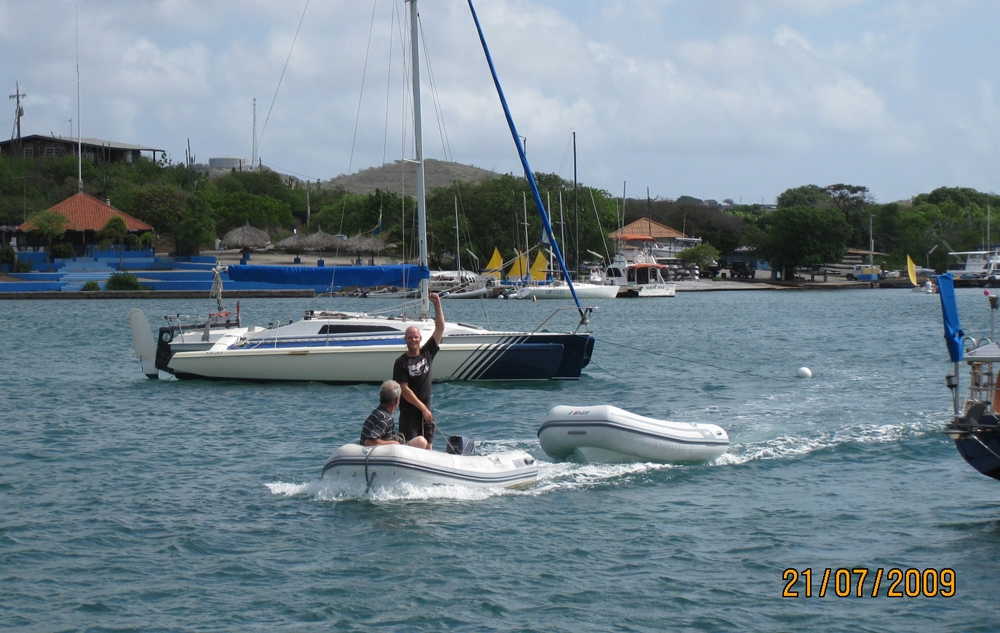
416, 372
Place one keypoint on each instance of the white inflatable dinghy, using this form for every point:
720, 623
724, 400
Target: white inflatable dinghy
605, 433
390, 465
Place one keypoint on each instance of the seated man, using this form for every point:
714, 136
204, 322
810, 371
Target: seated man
379, 428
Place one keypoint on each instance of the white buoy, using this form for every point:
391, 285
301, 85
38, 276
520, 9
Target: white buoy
804, 372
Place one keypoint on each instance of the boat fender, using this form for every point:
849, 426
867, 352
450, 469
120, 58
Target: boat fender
458, 445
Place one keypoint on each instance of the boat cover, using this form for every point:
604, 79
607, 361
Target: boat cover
333, 277
953, 333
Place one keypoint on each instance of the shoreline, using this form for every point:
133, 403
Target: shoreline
270, 258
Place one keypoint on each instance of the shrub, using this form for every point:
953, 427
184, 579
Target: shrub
91, 286
22, 266
7, 255
63, 251
123, 281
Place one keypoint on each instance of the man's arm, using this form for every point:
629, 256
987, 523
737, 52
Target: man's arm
412, 398
438, 317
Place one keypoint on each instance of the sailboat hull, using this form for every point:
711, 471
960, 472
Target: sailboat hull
562, 291
981, 451
490, 358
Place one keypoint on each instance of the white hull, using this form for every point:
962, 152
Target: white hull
608, 434
562, 291
364, 468
351, 348
648, 290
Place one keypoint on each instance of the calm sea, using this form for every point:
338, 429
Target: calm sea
138, 505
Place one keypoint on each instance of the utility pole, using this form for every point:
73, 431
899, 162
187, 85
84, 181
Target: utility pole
18, 110
18, 113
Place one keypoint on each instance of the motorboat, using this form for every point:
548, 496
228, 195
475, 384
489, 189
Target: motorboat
362, 469
975, 425
351, 347
975, 264
605, 433
640, 278
635, 272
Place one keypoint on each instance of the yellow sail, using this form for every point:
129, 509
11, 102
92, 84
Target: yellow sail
538, 268
518, 271
911, 269
495, 265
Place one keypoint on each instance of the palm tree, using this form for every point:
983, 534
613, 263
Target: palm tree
115, 232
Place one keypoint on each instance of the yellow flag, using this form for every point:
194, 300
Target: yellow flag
911, 270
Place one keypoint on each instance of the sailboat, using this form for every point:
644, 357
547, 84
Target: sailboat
349, 347
975, 425
911, 270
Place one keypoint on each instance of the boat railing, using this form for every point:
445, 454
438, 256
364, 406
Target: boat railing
983, 387
585, 313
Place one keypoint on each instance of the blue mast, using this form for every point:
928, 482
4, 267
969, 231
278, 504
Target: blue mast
524, 161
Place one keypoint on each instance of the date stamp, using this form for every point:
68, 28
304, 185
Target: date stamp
862, 582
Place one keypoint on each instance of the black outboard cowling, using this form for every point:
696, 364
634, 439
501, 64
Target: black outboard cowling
458, 445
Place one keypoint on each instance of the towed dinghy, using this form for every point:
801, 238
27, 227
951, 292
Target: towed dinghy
608, 434
391, 466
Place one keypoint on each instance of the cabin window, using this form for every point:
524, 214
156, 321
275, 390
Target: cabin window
29, 152
350, 328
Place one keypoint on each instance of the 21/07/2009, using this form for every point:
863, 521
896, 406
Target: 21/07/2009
844, 582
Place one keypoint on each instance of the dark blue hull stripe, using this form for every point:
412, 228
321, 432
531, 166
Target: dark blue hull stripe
628, 429
521, 475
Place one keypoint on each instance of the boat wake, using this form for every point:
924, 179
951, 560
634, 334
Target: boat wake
792, 446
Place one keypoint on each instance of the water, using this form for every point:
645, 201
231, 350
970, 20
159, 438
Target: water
131, 504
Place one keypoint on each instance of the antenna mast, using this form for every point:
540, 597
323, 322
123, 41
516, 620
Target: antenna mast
18, 110
79, 122
253, 150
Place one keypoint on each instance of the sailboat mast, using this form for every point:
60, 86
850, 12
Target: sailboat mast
576, 210
458, 253
425, 306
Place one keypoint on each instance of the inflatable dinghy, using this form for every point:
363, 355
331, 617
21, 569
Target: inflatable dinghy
605, 433
391, 465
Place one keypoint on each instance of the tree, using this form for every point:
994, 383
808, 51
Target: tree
49, 225
849, 198
805, 196
116, 232
804, 236
704, 255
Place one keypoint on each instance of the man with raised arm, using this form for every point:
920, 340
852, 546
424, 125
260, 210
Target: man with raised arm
412, 371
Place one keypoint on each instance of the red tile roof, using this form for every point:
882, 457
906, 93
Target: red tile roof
646, 227
87, 213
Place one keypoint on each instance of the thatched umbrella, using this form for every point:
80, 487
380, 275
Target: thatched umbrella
320, 241
245, 238
367, 245
292, 243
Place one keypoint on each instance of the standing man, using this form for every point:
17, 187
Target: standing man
379, 428
412, 371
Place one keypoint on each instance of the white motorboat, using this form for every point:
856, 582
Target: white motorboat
351, 347
605, 433
634, 272
362, 469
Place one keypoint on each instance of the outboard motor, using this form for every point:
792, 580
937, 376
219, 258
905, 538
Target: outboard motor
458, 445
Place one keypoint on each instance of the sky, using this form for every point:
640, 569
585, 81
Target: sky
716, 99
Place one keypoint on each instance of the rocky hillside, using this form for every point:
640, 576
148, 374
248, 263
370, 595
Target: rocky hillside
397, 176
